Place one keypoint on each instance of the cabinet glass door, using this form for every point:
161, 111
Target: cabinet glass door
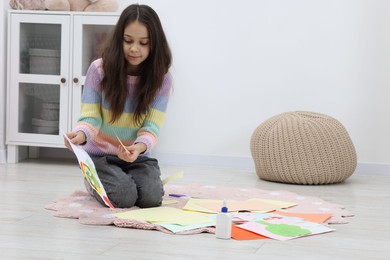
39, 108
39, 61
91, 33
40, 48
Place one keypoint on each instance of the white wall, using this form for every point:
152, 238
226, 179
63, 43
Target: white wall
238, 63
3, 8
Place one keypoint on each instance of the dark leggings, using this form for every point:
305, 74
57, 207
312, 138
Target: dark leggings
129, 184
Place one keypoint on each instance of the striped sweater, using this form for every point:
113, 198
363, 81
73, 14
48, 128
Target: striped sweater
95, 117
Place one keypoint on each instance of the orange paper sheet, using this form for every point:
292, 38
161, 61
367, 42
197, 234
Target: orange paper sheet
242, 234
312, 217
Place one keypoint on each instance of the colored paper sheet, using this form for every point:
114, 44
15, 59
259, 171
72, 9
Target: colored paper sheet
312, 217
169, 202
247, 205
193, 204
248, 216
173, 177
243, 234
88, 168
178, 228
167, 215
284, 228
261, 229
256, 216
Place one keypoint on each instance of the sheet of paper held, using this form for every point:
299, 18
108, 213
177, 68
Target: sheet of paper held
172, 177
88, 168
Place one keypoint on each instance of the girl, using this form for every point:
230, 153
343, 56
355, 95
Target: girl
125, 97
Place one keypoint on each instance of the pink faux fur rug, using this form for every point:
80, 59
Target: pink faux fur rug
80, 205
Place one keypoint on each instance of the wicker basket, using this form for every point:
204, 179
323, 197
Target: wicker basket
303, 148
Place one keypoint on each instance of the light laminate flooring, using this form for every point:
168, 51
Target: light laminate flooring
28, 231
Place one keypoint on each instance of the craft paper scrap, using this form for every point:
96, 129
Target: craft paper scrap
249, 216
255, 216
243, 234
178, 228
291, 216
193, 204
248, 205
167, 215
312, 217
169, 202
88, 168
235, 220
173, 177
284, 228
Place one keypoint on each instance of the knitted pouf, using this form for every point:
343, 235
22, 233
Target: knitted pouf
303, 148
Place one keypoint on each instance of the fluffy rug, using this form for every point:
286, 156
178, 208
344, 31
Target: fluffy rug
80, 205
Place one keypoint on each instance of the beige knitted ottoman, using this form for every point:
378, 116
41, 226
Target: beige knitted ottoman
303, 148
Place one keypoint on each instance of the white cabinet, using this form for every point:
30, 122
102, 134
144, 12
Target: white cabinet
48, 56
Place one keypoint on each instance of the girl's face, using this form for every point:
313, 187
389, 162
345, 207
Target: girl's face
136, 45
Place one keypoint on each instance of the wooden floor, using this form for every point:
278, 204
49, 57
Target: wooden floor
28, 231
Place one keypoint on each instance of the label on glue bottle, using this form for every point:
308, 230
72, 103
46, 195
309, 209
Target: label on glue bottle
223, 227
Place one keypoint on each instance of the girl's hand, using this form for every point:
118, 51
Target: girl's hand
76, 138
131, 153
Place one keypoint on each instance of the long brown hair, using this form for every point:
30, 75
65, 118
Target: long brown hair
152, 70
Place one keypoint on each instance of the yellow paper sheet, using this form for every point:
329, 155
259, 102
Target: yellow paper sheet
173, 177
165, 215
261, 205
169, 202
194, 205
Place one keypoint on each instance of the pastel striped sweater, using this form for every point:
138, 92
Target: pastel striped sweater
95, 116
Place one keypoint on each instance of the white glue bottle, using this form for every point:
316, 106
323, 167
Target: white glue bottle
223, 223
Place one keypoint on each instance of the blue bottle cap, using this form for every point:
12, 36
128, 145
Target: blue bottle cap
224, 208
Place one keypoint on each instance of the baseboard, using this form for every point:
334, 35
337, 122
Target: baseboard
231, 162
62, 153
246, 163
227, 162
3, 156
373, 168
